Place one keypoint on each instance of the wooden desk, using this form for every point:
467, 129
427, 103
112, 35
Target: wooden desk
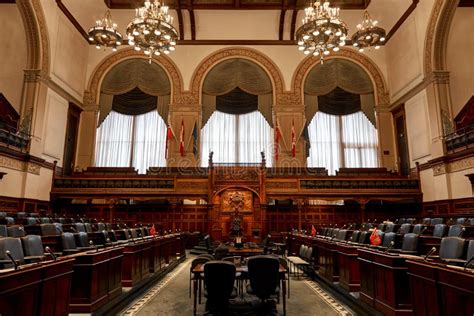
437, 289
136, 262
245, 252
38, 289
97, 279
389, 291
349, 271
198, 272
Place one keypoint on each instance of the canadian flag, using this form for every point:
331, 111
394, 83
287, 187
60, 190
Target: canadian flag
293, 139
169, 136
277, 140
181, 139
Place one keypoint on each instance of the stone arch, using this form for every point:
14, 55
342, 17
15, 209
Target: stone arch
380, 87
209, 62
34, 22
437, 35
91, 95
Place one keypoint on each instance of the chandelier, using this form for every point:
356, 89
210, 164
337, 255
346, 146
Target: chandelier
322, 30
104, 33
151, 29
368, 34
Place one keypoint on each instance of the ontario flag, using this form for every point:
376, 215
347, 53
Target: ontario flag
277, 140
313, 231
169, 137
375, 238
293, 139
181, 139
153, 230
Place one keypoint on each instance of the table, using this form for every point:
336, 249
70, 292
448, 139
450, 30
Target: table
245, 252
198, 272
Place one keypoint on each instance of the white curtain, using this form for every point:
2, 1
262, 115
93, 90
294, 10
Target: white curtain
149, 141
136, 141
114, 141
236, 138
342, 141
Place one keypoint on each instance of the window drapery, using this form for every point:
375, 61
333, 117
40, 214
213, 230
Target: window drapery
137, 141
342, 141
236, 138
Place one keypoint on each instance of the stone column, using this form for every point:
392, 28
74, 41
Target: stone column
85, 153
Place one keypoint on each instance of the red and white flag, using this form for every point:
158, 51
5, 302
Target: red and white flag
277, 140
169, 136
375, 238
293, 139
181, 139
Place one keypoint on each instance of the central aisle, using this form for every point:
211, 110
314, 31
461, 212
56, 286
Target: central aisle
170, 298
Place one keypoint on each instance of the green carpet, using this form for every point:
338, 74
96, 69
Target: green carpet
169, 297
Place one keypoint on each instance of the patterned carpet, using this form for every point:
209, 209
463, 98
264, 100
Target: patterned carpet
169, 297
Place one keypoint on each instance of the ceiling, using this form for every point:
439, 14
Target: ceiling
235, 4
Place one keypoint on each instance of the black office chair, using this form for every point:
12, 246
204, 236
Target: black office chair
264, 276
387, 240
440, 230
31, 221
405, 228
355, 236
426, 221
219, 278
15, 231
3, 231
436, 221
364, 237
470, 252
69, 244
461, 220
48, 230
410, 244
418, 229
13, 245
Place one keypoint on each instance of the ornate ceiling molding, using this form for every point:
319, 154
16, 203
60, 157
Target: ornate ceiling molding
92, 94
37, 39
381, 91
227, 53
437, 35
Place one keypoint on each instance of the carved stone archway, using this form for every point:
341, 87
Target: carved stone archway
92, 94
437, 32
380, 87
259, 58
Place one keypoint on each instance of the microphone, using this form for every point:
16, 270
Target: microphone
392, 243
468, 263
432, 251
91, 243
9, 255
48, 250
108, 242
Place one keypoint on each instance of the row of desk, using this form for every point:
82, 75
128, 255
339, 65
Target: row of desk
84, 282
390, 283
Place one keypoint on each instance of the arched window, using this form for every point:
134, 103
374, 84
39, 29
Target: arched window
236, 138
342, 141
131, 141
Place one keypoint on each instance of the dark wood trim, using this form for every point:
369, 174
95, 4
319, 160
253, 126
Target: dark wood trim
73, 20
447, 159
293, 25
282, 24
7, 1
236, 42
466, 4
402, 19
14, 204
192, 21
181, 23
449, 208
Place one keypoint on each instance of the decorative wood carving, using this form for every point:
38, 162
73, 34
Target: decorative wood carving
237, 201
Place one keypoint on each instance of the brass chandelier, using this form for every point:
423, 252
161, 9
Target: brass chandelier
151, 29
104, 33
368, 34
322, 30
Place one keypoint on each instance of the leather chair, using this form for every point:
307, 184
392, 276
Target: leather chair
10, 220
21, 215
440, 230
48, 230
101, 226
33, 248
62, 220
219, 278
3, 231
471, 221
14, 246
355, 236
206, 255
342, 235
45, 220
390, 228
410, 243
470, 250
405, 228
381, 227
410, 221
461, 220
80, 227
364, 237
418, 228
388, 238
3, 214
133, 233
31, 221
69, 243
88, 227
196, 261
456, 230
426, 221
82, 241
59, 228
451, 248
436, 221
15, 231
